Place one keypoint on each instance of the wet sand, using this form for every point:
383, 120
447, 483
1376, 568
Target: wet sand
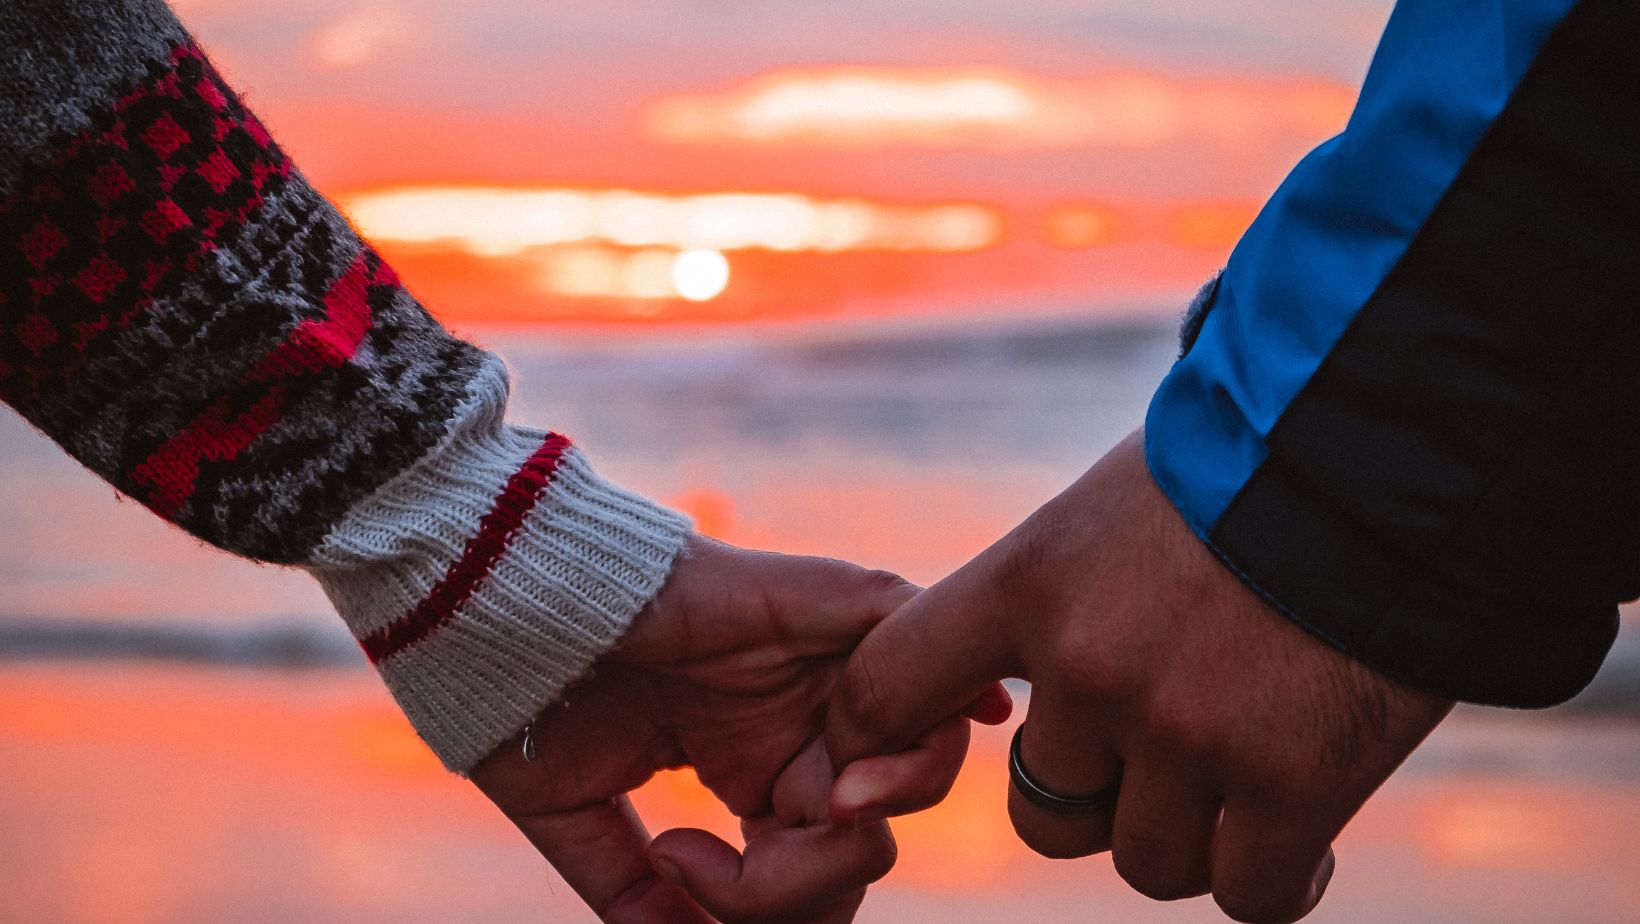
141, 794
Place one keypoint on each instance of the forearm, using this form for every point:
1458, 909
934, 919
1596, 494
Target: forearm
186, 316
1406, 419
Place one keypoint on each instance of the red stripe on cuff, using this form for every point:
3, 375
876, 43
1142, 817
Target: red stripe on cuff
495, 533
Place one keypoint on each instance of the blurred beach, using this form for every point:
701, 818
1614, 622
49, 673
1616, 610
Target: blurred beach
863, 280
188, 738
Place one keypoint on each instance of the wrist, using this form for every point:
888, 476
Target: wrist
490, 577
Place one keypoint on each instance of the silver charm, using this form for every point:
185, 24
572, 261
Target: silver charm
529, 742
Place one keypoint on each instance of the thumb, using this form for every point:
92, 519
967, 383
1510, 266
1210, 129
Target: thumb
721, 599
926, 662
838, 602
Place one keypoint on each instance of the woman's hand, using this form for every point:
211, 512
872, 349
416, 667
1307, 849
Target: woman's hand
729, 671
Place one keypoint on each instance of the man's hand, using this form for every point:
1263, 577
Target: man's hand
730, 671
1243, 744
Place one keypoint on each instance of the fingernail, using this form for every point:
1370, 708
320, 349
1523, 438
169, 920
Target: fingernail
853, 793
1323, 875
669, 871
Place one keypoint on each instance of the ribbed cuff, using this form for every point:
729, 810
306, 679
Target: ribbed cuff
491, 576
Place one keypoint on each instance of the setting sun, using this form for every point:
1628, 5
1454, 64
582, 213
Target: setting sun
700, 275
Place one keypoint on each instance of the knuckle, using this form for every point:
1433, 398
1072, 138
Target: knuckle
1250, 907
837, 573
1264, 892
1151, 866
882, 855
1056, 848
1058, 839
887, 581
861, 696
1162, 888
886, 590
1184, 732
1293, 785
1063, 641
1284, 777
1086, 665
1027, 565
1073, 663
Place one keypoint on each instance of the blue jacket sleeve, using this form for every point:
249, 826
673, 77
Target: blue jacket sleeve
1407, 417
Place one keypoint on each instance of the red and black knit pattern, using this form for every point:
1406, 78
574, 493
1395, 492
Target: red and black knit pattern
192, 321
122, 215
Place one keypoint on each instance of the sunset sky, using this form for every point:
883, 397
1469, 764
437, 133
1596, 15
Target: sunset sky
531, 160
721, 245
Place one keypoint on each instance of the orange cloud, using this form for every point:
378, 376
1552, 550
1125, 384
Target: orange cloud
869, 106
498, 221
1082, 225
850, 105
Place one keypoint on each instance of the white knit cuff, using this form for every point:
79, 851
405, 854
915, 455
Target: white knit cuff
489, 577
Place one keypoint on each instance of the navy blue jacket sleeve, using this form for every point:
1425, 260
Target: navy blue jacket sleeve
1409, 417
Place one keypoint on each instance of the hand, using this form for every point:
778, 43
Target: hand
1243, 744
729, 670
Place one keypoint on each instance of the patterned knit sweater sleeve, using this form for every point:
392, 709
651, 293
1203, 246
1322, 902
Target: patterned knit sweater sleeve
187, 317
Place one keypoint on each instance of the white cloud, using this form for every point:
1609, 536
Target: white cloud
360, 37
862, 106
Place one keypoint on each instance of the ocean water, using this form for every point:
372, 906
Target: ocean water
907, 449
186, 737
903, 447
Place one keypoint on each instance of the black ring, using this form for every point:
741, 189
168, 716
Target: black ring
1051, 802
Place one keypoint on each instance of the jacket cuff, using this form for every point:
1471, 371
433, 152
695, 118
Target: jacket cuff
487, 579
1442, 632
